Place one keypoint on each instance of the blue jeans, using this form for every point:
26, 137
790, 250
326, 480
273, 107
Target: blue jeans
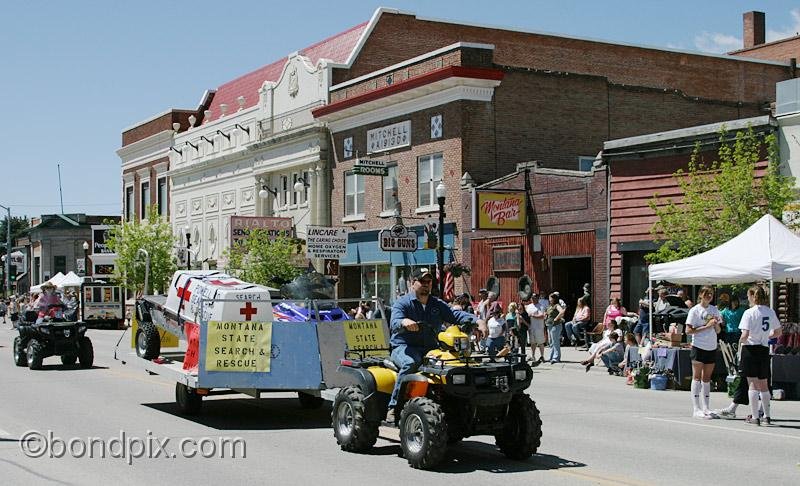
407, 359
554, 334
575, 329
495, 345
611, 359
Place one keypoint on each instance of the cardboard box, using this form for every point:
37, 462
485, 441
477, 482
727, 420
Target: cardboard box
674, 338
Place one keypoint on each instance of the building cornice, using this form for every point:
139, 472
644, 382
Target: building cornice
146, 150
327, 112
457, 89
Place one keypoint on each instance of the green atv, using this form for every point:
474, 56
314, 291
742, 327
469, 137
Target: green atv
453, 395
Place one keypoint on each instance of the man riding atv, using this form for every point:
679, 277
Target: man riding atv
416, 322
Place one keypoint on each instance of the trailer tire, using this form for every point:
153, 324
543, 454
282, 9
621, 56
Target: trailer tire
353, 432
310, 402
20, 356
189, 402
35, 354
86, 353
148, 341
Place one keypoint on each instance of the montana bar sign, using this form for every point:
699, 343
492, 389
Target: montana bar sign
398, 238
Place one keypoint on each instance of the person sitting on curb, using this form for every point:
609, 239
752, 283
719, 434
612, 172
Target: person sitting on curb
612, 356
417, 319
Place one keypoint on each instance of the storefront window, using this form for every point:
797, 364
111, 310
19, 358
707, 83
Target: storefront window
429, 173
383, 282
367, 281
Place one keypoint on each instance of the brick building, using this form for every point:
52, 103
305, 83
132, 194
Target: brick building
477, 100
640, 167
565, 245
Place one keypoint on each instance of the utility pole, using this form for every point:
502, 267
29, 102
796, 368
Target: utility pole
8, 249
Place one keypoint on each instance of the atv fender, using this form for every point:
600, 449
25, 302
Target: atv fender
375, 407
414, 385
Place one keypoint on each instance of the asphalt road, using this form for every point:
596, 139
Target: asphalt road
596, 430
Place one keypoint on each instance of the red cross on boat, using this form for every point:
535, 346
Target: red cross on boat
247, 311
184, 294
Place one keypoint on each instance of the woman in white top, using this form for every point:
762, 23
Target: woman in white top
759, 323
703, 324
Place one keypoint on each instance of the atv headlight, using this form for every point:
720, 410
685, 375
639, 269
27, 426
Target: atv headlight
520, 375
459, 379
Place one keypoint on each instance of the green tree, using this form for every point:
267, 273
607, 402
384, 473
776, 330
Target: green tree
263, 260
722, 197
18, 227
153, 235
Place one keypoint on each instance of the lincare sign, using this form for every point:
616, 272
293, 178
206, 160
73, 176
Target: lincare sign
326, 242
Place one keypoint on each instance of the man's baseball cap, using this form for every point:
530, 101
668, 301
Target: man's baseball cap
421, 273
483, 291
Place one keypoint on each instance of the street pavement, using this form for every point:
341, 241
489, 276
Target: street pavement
596, 430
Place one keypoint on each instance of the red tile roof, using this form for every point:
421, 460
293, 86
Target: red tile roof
336, 48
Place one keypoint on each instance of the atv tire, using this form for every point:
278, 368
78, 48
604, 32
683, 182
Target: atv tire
309, 402
68, 359
423, 433
148, 341
522, 432
86, 353
35, 354
20, 356
189, 402
353, 432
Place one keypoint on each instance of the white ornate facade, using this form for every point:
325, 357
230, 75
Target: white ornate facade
225, 160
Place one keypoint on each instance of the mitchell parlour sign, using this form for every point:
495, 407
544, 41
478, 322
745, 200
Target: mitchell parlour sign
389, 137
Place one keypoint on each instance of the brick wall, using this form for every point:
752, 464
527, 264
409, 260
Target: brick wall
400, 37
137, 186
781, 50
158, 125
406, 158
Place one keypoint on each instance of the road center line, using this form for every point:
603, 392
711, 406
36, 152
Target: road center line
695, 424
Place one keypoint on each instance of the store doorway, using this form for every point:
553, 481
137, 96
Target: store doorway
634, 278
568, 276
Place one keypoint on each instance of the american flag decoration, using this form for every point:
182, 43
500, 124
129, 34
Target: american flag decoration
449, 283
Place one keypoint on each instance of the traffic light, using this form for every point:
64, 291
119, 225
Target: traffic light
12, 273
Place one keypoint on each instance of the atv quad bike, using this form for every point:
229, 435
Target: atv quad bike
453, 395
55, 336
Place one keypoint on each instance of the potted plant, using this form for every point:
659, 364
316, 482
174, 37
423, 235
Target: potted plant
641, 376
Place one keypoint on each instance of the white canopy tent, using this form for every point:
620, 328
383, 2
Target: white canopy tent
54, 280
70, 280
767, 250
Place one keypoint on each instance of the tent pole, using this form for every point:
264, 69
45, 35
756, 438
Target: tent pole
772, 294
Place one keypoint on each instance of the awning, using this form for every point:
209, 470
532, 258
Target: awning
363, 248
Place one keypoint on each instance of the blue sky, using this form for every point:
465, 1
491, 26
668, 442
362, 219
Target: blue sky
74, 74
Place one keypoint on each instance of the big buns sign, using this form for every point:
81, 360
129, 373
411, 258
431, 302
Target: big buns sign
499, 210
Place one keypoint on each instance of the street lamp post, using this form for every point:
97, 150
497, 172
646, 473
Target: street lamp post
85, 258
188, 247
441, 193
8, 248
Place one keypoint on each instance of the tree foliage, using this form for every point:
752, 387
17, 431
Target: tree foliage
722, 197
262, 260
18, 227
153, 235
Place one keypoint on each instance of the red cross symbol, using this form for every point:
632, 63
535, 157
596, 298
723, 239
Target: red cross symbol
224, 284
184, 294
248, 310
